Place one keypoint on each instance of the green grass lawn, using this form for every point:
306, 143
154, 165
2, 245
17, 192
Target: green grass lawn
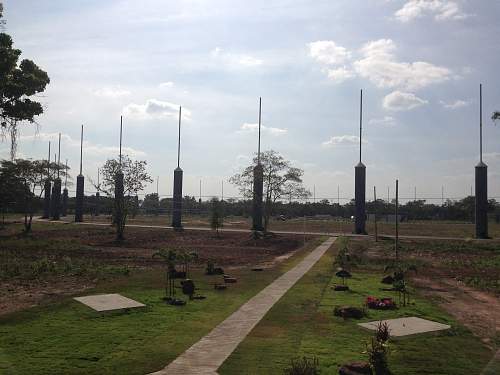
302, 323
69, 338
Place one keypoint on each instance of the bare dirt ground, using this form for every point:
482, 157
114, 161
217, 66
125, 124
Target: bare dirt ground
442, 271
19, 295
58, 260
477, 310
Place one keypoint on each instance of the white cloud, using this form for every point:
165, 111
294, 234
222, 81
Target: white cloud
440, 9
402, 101
246, 127
111, 92
154, 109
235, 59
328, 52
339, 75
377, 62
88, 147
455, 104
342, 140
384, 121
166, 85
379, 65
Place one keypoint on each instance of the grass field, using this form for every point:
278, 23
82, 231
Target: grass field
311, 224
68, 337
302, 323
436, 228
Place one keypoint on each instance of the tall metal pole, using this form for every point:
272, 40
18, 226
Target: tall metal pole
48, 163
415, 193
121, 131
360, 181
59, 156
388, 196
360, 122
260, 117
81, 150
66, 176
481, 123
222, 190
179, 139
47, 188
200, 191
258, 185
375, 209
481, 180
397, 221
64, 205
177, 193
80, 186
338, 195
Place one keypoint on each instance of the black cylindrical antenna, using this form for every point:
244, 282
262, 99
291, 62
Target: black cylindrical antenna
481, 123
59, 155
360, 122
260, 114
48, 163
179, 139
81, 150
98, 183
121, 130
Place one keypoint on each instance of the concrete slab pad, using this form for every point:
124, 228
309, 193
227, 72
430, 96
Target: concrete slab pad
109, 302
407, 326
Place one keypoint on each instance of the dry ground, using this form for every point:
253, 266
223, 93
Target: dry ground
462, 277
65, 259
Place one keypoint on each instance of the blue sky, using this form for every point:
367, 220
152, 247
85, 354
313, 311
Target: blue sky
419, 63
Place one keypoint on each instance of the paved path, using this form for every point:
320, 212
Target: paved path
208, 354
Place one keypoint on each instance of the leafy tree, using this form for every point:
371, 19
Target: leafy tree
151, 204
20, 180
18, 83
135, 178
281, 181
216, 218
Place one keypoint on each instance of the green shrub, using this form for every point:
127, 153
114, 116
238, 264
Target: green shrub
303, 366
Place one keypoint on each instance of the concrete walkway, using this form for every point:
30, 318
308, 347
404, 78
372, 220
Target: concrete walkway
208, 354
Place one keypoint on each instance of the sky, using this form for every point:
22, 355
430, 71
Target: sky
419, 63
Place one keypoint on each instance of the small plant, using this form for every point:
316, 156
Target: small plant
399, 284
343, 258
303, 366
217, 218
378, 350
383, 332
169, 256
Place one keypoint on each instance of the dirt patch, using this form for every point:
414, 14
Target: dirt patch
479, 311
16, 296
68, 259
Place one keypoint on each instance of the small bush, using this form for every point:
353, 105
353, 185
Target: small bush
378, 350
303, 366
